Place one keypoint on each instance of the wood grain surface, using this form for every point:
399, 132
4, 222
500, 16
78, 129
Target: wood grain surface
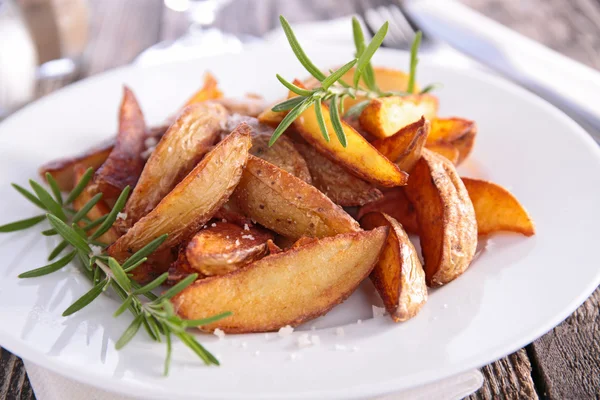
563, 364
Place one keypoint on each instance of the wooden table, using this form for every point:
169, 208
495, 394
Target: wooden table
563, 364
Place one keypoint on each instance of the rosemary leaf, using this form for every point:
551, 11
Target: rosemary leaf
49, 232
299, 91
297, 49
152, 285
288, 104
85, 179
87, 207
55, 189
143, 252
187, 281
28, 195
357, 109
119, 275
367, 54
197, 348
55, 266
69, 234
57, 250
124, 306
287, 121
321, 119
95, 223
86, 298
359, 42
49, 203
334, 77
414, 60
192, 323
430, 87
112, 215
336, 122
169, 352
130, 332
22, 224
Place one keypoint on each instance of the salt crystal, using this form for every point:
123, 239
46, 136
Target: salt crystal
378, 312
213, 224
219, 333
246, 227
150, 142
285, 331
304, 341
122, 216
248, 237
96, 250
237, 242
315, 339
224, 221
170, 149
339, 331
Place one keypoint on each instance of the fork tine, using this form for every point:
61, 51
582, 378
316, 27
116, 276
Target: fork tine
400, 19
377, 17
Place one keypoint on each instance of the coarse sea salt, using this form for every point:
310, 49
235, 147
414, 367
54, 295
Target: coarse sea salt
378, 312
248, 237
304, 341
219, 333
246, 227
285, 331
213, 224
122, 216
96, 250
150, 142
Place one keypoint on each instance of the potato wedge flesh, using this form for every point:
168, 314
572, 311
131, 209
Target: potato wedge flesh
339, 185
208, 91
447, 150
447, 223
288, 288
194, 200
398, 276
178, 152
287, 205
497, 209
224, 247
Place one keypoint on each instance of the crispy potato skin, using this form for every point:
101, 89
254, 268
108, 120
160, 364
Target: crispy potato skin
395, 204
458, 132
189, 138
124, 164
99, 210
270, 117
287, 205
288, 288
194, 200
339, 185
385, 116
226, 247
447, 223
497, 209
208, 91
445, 149
282, 154
359, 157
398, 276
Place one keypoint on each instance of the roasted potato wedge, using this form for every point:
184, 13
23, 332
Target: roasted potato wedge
249, 106
449, 129
385, 116
465, 144
287, 205
405, 146
270, 117
398, 276
180, 149
303, 241
497, 209
125, 163
447, 150
359, 157
282, 154
208, 91
395, 204
339, 185
97, 211
194, 200
181, 268
224, 247
447, 223
288, 288
273, 248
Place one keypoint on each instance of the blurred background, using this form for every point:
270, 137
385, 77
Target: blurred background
46, 44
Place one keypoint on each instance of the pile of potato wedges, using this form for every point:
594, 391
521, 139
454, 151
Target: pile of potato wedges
280, 235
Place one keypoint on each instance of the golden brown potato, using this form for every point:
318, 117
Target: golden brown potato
447, 223
99, 210
194, 200
396, 204
272, 247
208, 91
230, 212
181, 268
359, 157
125, 163
497, 209
223, 247
287, 205
288, 288
339, 185
449, 129
181, 148
303, 241
398, 276
385, 116
282, 154
399, 144
270, 117
465, 144
249, 106
447, 150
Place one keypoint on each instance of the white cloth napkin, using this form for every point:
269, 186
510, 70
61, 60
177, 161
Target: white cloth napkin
49, 385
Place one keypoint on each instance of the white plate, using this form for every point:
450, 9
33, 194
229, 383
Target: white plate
517, 289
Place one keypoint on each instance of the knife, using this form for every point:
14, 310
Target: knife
572, 87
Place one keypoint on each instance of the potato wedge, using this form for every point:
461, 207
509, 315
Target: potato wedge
288, 288
125, 163
97, 211
447, 223
497, 209
282, 154
249, 106
224, 247
447, 150
194, 200
303, 241
359, 157
181, 268
398, 276
449, 129
181, 148
287, 205
385, 116
270, 117
208, 91
465, 145
395, 204
339, 185
273, 248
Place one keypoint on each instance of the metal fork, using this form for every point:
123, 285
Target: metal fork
401, 31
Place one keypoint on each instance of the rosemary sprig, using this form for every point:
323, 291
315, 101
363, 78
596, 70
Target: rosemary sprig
154, 313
